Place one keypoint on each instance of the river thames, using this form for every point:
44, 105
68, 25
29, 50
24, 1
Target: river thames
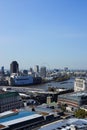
69, 84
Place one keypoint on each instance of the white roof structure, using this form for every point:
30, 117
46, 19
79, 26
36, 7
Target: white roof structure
7, 123
6, 113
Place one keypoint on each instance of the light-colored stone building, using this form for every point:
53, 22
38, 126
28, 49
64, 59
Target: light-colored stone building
80, 84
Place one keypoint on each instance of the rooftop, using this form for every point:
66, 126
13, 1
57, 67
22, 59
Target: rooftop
66, 124
21, 119
81, 78
2, 126
74, 96
7, 94
17, 117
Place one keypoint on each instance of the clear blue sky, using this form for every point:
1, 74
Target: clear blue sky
43, 32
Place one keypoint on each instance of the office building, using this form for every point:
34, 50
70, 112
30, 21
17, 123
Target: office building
66, 69
25, 72
43, 72
36, 69
10, 100
14, 67
2, 70
31, 70
80, 84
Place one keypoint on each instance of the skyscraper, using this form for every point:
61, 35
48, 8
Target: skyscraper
14, 67
2, 70
36, 68
43, 72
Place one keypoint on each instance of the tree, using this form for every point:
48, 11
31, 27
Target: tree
63, 107
80, 113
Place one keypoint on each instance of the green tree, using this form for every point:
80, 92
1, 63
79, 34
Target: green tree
80, 113
63, 107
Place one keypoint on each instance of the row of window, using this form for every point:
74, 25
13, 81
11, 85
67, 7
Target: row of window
9, 100
10, 106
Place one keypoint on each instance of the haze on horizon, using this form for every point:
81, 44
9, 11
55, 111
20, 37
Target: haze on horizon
52, 33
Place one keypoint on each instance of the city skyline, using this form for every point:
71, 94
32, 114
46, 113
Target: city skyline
45, 33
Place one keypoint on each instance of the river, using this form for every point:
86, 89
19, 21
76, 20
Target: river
69, 84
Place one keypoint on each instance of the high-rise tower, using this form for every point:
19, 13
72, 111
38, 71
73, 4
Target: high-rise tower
43, 72
14, 67
36, 68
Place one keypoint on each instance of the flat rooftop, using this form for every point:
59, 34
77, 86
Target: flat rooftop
7, 94
18, 117
66, 124
74, 96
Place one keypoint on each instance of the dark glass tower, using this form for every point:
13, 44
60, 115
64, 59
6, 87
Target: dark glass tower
14, 67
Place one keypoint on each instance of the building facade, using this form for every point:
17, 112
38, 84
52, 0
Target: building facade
80, 84
73, 100
14, 67
43, 72
10, 100
2, 70
36, 68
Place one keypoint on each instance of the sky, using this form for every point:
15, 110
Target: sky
51, 33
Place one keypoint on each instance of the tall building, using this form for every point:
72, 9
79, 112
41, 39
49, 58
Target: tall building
36, 69
80, 84
66, 68
14, 67
30, 70
2, 70
43, 72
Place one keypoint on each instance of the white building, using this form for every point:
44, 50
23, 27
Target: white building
49, 100
36, 69
80, 84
